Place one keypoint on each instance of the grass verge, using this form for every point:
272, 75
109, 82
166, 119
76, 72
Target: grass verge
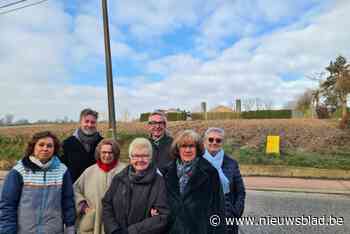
339, 159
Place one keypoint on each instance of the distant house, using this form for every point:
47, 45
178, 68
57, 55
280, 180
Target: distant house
173, 110
221, 108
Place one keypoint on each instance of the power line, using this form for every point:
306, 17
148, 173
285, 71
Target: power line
25, 6
12, 3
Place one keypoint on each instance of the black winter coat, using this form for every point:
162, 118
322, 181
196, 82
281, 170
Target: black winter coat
161, 151
235, 198
203, 197
75, 156
127, 204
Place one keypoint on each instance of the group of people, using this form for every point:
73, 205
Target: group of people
171, 185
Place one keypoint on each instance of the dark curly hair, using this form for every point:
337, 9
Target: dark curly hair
184, 137
40, 135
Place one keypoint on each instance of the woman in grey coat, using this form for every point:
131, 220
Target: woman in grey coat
136, 200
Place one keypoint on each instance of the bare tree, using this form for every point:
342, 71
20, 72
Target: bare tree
126, 115
259, 104
248, 104
9, 118
268, 104
290, 105
304, 101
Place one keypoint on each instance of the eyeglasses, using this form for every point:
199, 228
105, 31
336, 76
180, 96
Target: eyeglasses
217, 140
156, 123
187, 146
140, 156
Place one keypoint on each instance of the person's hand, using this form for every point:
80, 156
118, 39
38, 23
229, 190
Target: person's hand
154, 212
88, 209
83, 207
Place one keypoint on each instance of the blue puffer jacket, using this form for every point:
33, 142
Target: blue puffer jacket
37, 201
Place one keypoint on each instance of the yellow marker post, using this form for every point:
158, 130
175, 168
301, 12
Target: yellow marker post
273, 145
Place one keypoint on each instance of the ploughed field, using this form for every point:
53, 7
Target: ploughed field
297, 135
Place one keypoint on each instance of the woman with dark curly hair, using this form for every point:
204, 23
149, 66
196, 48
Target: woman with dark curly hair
193, 187
37, 195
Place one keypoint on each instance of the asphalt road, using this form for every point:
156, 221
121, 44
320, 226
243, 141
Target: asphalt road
271, 206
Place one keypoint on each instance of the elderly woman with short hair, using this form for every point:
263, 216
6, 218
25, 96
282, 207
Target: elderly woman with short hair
91, 186
136, 200
193, 187
230, 176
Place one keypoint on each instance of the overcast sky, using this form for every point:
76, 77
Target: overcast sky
166, 54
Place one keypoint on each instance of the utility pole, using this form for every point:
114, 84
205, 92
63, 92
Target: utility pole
108, 58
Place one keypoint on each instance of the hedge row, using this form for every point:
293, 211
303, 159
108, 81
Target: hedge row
215, 115
261, 114
267, 114
171, 116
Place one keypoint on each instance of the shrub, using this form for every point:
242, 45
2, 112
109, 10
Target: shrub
267, 114
322, 112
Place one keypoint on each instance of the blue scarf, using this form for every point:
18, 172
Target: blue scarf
216, 161
184, 172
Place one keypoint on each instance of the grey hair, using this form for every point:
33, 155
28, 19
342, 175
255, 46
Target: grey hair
221, 131
160, 113
88, 111
140, 143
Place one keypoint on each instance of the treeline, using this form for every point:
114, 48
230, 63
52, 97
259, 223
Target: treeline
9, 120
258, 114
331, 96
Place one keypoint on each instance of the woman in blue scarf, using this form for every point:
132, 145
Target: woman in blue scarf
228, 170
193, 187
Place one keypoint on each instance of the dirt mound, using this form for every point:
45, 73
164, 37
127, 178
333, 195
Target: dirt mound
296, 134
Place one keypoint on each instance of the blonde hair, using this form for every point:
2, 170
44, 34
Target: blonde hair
184, 137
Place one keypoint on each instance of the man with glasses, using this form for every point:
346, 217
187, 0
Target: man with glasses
159, 138
229, 174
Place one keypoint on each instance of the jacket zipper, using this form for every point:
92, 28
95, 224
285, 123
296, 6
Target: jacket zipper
43, 201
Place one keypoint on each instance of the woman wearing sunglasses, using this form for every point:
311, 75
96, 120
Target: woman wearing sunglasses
193, 187
230, 176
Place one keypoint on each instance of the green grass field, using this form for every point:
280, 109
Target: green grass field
339, 159
12, 148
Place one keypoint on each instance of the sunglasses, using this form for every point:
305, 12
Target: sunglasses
217, 140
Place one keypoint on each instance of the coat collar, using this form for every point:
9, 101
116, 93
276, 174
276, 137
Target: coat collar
148, 178
33, 167
165, 139
200, 175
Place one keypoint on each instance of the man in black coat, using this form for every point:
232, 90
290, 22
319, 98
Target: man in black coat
160, 139
79, 149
